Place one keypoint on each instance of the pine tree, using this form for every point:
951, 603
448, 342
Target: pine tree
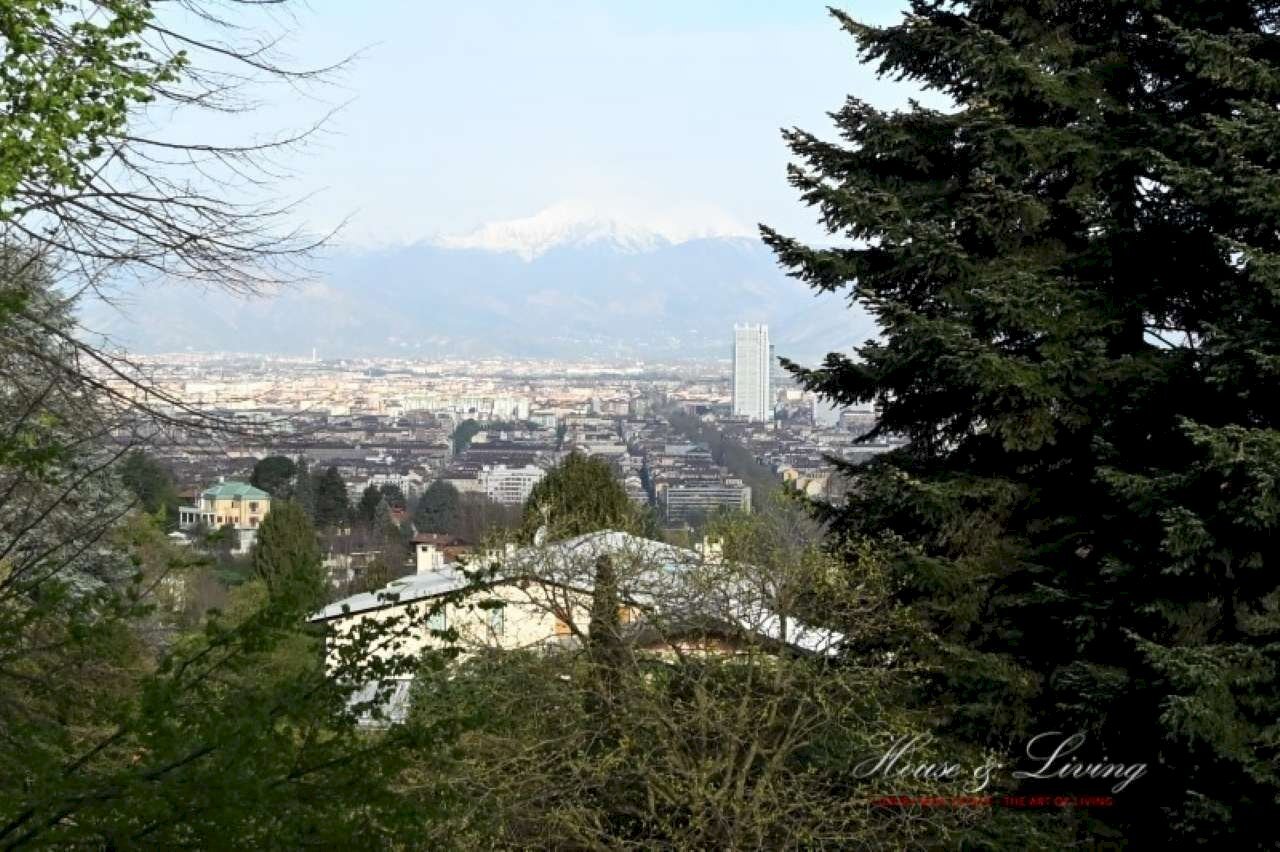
394, 494
579, 495
1076, 270
438, 508
333, 507
383, 519
286, 555
368, 505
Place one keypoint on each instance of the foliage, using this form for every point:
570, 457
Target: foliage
729, 453
235, 735
390, 538
383, 519
114, 731
77, 89
366, 510
152, 483
462, 435
373, 577
471, 517
1075, 274
437, 508
83, 180
480, 519
286, 555
273, 474
303, 490
394, 494
637, 737
577, 496
333, 508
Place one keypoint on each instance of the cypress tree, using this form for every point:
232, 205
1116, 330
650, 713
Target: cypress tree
1076, 271
605, 630
386, 534
304, 489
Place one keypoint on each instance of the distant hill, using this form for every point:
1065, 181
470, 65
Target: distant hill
539, 287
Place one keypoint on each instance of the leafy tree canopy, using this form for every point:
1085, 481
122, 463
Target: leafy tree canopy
580, 495
462, 435
437, 508
394, 494
273, 474
68, 97
152, 483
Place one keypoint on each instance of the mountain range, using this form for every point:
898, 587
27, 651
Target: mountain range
558, 284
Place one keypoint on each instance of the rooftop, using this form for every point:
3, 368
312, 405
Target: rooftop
223, 490
651, 573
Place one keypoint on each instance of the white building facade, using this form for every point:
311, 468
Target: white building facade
510, 486
752, 395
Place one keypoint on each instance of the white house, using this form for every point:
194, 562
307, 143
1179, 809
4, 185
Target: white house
540, 598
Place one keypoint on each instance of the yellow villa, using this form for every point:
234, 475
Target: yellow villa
236, 503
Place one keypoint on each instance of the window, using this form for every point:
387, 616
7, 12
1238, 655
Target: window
437, 620
253, 507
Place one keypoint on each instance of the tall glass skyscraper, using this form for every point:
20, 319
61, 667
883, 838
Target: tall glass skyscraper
751, 368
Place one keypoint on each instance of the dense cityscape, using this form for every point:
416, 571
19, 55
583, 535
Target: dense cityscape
684, 439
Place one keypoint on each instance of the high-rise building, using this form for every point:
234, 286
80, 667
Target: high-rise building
751, 368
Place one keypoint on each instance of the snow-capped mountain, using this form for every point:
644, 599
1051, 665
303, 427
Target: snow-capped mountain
563, 283
577, 224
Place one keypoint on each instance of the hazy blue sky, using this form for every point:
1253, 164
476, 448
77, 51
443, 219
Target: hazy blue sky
470, 111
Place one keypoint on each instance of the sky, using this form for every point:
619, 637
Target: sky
466, 112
